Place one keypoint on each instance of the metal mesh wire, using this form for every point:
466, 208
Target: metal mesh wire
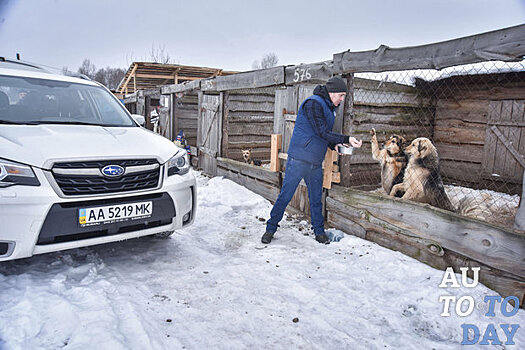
474, 118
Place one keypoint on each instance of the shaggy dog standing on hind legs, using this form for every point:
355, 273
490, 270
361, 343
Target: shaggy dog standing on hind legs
392, 158
422, 181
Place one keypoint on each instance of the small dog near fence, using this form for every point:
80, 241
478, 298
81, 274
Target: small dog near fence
393, 160
422, 181
247, 156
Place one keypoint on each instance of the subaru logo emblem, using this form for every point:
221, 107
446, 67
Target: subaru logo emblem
112, 170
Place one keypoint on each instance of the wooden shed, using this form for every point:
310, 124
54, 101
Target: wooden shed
479, 121
149, 75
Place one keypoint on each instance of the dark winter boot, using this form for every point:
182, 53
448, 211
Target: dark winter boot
322, 239
267, 237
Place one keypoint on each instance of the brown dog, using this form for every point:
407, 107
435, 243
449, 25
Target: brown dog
247, 156
392, 158
422, 181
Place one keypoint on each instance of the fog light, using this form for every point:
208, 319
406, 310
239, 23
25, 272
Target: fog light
6, 248
186, 217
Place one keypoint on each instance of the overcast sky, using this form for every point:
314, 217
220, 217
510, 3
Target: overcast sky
231, 34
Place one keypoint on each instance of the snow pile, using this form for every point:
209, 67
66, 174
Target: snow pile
213, 285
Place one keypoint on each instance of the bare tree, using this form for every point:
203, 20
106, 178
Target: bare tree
267, 61
87, 68
110, 77
159, 54
114, 76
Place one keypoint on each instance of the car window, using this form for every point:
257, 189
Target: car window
41, 101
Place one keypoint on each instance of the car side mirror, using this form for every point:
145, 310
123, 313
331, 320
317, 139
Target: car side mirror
139, 119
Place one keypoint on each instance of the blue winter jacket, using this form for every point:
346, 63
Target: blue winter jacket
312, 133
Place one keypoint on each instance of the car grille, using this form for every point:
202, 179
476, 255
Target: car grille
86, 178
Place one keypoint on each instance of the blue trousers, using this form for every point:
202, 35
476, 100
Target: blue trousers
313, 177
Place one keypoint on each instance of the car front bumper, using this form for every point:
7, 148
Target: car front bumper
24, 230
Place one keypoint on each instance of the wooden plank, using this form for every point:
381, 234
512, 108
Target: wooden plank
318, 73
256, 172
505, 44
225, 125
262, 188
255, 98
253, 79
505, 141
250, 118
260, 91
489, 149
409, 116
208, 84
250, 144
247, 138
503, 283
207, 163
131, 74
285, 103
250, 129
460, 152
275, 163
348, 119
374, 84
303, 92
496, 247
517, 110
452, 131
267, 107
461, 171
341, 223
388, 98
328, 169
183, 87
467, 110
508, 159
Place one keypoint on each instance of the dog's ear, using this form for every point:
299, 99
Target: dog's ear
421, 146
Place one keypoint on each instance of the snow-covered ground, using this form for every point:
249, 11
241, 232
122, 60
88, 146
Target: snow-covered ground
214, 286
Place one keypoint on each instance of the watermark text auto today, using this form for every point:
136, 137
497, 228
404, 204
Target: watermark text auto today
493, 334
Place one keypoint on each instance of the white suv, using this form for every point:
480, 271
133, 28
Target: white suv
76, 169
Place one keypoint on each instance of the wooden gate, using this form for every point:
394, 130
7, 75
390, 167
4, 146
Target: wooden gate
209, 133
505, 141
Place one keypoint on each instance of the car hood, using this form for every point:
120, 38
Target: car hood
41, 145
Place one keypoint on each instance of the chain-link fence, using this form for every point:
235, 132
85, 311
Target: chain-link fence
452, 138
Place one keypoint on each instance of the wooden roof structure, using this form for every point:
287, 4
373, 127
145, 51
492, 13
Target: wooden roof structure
148, 75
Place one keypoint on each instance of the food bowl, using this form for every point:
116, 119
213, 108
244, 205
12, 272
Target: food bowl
345, 150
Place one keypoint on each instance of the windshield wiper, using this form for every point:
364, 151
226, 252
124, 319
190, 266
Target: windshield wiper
37, 122
16, 123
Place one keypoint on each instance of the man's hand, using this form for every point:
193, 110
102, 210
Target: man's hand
355, 143
337, 148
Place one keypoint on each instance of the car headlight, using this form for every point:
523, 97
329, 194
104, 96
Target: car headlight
179, 164
12, 173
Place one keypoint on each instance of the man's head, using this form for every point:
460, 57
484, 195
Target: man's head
336, 87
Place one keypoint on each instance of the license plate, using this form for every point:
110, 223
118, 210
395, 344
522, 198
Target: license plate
114, 213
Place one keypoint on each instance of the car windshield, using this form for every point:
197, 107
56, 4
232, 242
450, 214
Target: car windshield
39, 101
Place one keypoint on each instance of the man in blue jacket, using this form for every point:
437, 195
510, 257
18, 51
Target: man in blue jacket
311, 137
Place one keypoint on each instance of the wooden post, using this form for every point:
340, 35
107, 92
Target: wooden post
328, 175
348, 115
275, 162
519, 220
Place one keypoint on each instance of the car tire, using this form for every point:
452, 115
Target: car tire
163, 235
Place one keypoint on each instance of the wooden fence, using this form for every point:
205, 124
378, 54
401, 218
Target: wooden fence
244, 109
